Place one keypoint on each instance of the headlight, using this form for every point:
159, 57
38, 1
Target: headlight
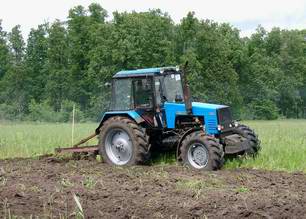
220, 127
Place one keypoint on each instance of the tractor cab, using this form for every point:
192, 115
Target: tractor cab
146, 91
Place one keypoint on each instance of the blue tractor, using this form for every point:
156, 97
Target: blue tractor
151, 109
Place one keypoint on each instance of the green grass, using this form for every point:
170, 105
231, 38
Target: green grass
32, 139
283, 142
283, 146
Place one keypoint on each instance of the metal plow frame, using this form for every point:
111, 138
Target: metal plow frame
83, 149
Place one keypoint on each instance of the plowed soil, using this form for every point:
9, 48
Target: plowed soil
47, 188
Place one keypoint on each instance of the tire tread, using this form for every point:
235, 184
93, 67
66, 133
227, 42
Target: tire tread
139, 136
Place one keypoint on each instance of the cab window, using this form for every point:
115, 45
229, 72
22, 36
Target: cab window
121, 98
143, 94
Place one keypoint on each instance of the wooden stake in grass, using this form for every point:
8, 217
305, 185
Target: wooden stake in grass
72, 131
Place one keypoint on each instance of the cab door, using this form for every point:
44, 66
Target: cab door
143, 97
143, 94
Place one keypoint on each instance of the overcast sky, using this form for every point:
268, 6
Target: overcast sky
243, 14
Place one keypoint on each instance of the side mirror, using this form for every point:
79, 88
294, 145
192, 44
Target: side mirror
107, 84
178, 98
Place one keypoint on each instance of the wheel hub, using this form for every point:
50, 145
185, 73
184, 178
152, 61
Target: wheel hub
118, 146
198, 156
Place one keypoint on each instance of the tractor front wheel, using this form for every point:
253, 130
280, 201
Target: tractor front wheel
202, 152
254, 143
123, 142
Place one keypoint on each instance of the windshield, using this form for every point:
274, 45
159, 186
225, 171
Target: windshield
169, 88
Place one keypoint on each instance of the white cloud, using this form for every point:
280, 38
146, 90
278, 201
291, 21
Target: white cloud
245, 14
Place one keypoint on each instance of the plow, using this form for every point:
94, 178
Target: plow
152, 109
78, 148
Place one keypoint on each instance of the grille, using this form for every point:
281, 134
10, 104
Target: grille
225, 117
211, 125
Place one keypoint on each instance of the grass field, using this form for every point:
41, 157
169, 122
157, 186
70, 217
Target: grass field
283, 142
32, 139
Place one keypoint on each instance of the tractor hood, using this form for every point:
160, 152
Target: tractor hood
198, 105
208, 111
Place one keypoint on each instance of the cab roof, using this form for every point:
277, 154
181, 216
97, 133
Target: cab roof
143, 72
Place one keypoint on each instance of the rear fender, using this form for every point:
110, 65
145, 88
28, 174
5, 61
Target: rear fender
182, 137
130, 114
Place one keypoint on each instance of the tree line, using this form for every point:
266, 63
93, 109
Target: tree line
67, 63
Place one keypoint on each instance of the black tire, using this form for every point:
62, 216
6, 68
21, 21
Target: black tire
214, 148
249, 134
138, 137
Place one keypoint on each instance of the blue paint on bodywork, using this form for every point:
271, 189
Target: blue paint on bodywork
131, 113
209, 111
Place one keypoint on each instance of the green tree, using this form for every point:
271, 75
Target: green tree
68, 63
36, 61
79, 46
97, 13
292, 62
216, 78
260, 76
4, 53
142, 39
14, 81
57, 87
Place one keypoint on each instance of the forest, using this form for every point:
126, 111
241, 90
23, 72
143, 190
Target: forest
67, 63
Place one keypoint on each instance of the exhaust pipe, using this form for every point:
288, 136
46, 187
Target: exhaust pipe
186, 90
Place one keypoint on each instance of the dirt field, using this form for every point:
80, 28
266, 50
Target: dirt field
45, 187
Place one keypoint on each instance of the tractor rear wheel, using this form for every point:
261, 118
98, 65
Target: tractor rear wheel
123, 142
254, 143
202, 152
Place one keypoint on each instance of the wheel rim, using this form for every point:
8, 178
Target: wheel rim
118, 146
198, 155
